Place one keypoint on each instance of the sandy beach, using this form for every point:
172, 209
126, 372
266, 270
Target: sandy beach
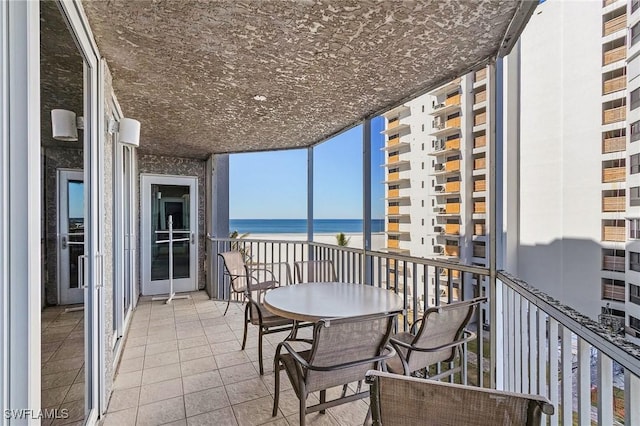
356, 239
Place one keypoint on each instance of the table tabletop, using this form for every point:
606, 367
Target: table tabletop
315, 301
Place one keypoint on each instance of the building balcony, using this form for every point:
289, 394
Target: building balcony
446, 147
614, 85
613, 263
479, 185
479, 163
480, 141
614, 144
613, 233
480, 75
614, 204
614, 174
447, 167
614, 55
480, 119
479, 207
479, 229
480, 97
400, 128
397, 112
616, 24
614, 115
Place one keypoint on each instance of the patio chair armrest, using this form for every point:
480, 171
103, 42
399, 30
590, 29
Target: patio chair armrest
296, 356
390, 353
470, 335
413, 326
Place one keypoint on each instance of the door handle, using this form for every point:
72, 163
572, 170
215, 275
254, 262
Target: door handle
64, 242
193, 238
81, 259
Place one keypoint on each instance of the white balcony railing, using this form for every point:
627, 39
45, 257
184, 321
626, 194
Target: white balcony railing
537, 346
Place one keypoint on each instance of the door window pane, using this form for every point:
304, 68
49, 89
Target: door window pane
75, 241
169, 201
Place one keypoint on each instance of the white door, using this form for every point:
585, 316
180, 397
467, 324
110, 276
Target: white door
70, 235
164, 197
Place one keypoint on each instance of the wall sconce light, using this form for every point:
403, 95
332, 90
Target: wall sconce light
128, 131
65, 125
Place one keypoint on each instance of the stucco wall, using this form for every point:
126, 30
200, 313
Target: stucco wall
176, 166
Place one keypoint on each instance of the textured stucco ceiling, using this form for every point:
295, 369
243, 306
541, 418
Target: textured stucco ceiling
189, 70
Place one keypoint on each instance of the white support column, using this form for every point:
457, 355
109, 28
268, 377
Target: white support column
366, 275
19, 209
218, 166
310, 198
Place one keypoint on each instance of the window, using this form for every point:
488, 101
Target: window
423, 142
634, 261
634, 196
634, 5
423, 131
634, 98
613, 289
635, 33
635, 164
634, 130
422, 108
634, 294
422, 184
634, 323
423, 165
422, 240
633, 68
422, 221
634, 229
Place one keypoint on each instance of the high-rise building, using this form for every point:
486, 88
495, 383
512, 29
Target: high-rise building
436, 195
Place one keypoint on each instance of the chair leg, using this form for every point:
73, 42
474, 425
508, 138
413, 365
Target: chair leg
276, 391
260, 351
246, 325
323, 399
303, 408
228, 303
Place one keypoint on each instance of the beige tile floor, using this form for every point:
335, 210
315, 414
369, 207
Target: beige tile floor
63, 364
182, 365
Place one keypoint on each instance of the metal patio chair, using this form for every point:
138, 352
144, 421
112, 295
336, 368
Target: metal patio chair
341, 352
253, 281
436, 337
410, 401
313, 271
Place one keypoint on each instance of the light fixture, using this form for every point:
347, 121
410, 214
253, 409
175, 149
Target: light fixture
128, 131
65, 125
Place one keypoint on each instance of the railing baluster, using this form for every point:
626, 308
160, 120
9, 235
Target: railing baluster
567, 377
542, 353
510, 339
517, 347
523, 342
553, 369
533, 355
631, 398
584, 382
605, 390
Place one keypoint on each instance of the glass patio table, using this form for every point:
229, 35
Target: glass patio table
310, 302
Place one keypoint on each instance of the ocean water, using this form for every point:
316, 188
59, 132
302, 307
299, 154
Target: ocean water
295, 226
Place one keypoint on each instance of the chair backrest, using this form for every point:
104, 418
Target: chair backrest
409, 401
441, 325
235, 269
313, 271
347, 340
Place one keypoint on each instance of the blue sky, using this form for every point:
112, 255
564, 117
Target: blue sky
273, 185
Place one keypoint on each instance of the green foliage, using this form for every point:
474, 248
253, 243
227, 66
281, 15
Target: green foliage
240, 245
342, 239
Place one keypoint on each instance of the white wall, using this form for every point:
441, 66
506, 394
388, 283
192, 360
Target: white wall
560, 153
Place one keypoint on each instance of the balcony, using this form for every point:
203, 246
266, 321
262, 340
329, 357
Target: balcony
451, 187
614, 115
480, 75
480, 97
616, 24
613, 263
479, 185
452, 100
614, 55
479, 163
613, 292
452, 208
479, 207
540, 346
613, 174
613, 233
479, 229
480, 119
614, 204
452, 229
614, 85
479, 250
448, 167
448, 146
480, 141
614, 144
